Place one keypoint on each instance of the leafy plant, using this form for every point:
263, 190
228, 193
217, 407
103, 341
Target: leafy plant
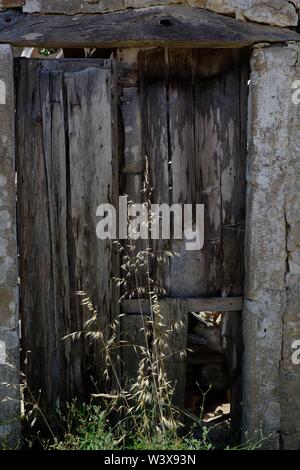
87, 429
46, 52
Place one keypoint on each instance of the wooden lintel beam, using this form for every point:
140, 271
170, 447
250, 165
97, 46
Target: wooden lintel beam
176, 26
218, 304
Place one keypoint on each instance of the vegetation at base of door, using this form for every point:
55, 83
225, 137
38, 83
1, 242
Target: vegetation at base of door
88, 427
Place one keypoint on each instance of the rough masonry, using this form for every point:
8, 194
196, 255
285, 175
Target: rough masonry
272, 295
273, 12
9, 314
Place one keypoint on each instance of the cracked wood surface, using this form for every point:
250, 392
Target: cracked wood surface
176, 26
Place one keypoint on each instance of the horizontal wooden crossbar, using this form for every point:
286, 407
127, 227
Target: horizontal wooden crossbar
175, 26
217, 304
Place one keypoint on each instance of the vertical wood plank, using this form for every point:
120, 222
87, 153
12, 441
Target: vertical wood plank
208, 105
233, 187
162, 120
90, 168
66, 167
154, 103
174, 312
35, 236
134, 336
54, 150
187, 270
221, 124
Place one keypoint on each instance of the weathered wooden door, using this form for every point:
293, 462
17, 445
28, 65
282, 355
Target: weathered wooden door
194, 105
193, 109
194, 114
67, 166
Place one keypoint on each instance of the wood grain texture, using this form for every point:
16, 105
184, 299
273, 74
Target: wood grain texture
233, 228
187, 268
176, 26
208, 110
65, 170
226, 304
154, 104
133, 334
90, 134
194, 105
221, 118
194, 136
173, 314
36, 245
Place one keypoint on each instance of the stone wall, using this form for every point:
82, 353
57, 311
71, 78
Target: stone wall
9, 313
272, 293
273, 12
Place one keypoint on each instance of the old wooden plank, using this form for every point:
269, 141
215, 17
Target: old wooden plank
54, 147
132, 127
133, 334
233, 122
174, 26
233, 189
208, 103
114, 187
228, 304
133, 161
220, 116
90, 167
41, 208
187, 269
221, 304
181, 122
65, 169
233, 175
133, 188
156, 147
174, 318
76, 65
